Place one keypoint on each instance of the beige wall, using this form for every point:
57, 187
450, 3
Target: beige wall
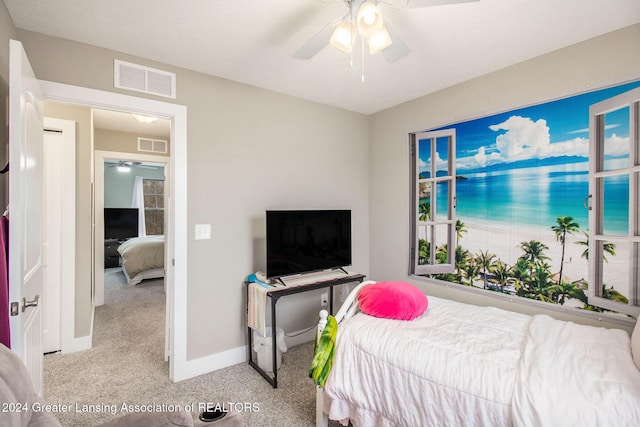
123, 142
7, 32
249, 150
600, 62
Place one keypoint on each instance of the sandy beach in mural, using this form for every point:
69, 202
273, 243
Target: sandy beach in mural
504, 241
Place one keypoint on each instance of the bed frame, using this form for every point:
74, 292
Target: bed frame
156, 273
349, 308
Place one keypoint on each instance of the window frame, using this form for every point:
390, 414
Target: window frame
155, 195
434, 222
598, 172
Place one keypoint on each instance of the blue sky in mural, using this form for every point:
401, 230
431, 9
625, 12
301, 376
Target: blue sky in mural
531, 134
530, 165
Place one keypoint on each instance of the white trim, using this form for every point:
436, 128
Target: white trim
215, 361
80, 344
176, 233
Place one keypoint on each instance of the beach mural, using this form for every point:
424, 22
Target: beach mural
522, 180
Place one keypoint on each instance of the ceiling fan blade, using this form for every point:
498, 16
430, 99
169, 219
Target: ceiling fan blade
398, 48
413, 4
315, 43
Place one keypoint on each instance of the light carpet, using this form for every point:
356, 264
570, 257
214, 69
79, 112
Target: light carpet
126, 366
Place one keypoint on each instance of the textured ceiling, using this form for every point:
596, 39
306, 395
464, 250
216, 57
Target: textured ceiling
252, 41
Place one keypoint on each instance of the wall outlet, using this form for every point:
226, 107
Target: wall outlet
324, 299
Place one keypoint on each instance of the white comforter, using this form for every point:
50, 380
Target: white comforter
463, 365
454, 366
576, 375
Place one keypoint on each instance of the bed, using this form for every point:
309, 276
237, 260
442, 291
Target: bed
465, 365
142, 258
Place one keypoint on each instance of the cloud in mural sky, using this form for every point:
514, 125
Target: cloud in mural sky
522, 138
441, 164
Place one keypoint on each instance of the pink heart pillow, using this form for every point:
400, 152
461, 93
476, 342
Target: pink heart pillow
392, 300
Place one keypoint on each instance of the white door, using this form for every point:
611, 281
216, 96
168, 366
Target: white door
25, 212
59, 160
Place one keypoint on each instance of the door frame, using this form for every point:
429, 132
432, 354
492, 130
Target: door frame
176, 232
99, 157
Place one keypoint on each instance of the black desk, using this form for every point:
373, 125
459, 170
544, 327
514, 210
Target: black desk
275, 293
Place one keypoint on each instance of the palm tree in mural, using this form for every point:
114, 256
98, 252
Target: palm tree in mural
485, 261
564, 225
533, 253
424, 210
460, 230
424, 251
541, 284
563, 291
520, 272
614, 295
607, 247
470, 270
462, 258
611, 294
501, 273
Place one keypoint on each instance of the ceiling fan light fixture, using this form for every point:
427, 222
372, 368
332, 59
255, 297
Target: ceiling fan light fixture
144, 119
369, 19
342, 37
123, 168
378, 41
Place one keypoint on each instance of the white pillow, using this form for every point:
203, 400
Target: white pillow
635, 343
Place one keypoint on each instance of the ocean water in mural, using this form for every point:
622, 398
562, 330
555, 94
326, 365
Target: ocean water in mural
529, 166
536, 197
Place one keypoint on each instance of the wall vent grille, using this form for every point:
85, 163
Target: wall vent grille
144, 79
152, 145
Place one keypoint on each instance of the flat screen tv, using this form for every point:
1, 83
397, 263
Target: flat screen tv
303, 241
120, 223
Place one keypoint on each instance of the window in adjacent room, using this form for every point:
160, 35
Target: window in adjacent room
153, 190
433, 218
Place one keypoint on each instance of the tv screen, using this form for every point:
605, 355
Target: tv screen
120, 223
303, 241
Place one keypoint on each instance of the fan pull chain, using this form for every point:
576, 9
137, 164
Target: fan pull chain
362, 50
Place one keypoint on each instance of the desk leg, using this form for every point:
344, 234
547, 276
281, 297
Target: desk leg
249, 331
274, 334
331, 299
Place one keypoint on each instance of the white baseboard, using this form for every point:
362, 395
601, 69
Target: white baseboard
299, 339
78, 344
234, 356
211, 363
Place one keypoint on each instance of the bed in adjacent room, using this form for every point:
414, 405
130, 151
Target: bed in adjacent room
142, 258
458, 364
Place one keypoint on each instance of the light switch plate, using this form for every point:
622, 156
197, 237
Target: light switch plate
203, 231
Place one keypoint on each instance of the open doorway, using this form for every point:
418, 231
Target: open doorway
176, 224
131, 154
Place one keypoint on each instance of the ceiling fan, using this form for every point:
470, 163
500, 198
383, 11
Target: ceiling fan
364, 18
126, 165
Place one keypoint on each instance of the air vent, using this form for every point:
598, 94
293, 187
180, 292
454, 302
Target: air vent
144, 79
152, 145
